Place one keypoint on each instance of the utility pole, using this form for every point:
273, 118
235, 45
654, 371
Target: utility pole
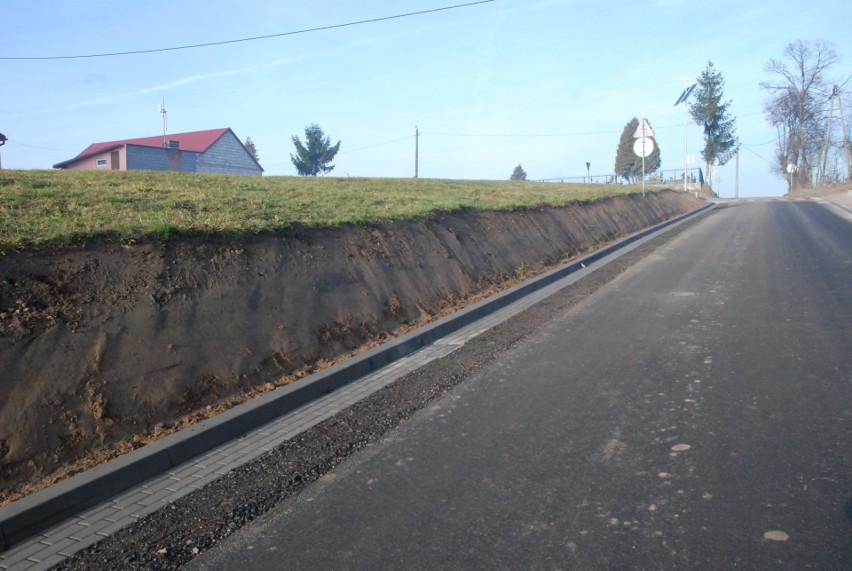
685, 132
846, 148
165, 121
416, 151
737, 180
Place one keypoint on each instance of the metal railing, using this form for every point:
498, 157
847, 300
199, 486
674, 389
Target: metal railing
670, 176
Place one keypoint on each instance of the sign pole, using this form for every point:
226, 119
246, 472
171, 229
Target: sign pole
643, 145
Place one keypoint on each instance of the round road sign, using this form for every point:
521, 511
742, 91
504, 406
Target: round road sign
643, 146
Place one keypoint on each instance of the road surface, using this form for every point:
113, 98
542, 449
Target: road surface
696, 412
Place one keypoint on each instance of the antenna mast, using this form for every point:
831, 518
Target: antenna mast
165, 121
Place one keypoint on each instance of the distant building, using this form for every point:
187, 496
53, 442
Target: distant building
212, 151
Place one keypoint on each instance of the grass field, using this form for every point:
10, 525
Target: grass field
45, 208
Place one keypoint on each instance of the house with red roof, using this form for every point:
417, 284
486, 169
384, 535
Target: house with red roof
211, 151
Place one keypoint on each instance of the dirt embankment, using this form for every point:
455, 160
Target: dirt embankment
106, 347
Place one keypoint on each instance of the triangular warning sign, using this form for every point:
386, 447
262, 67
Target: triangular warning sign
643, 130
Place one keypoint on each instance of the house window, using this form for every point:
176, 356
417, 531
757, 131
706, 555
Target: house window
102, 163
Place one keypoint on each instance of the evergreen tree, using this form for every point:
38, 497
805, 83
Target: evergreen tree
314, 156
628, 165
251, 149
518, 173
708, 111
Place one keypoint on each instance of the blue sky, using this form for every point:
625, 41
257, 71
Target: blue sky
548, 84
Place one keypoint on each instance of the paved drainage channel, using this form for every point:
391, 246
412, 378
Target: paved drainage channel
55, 544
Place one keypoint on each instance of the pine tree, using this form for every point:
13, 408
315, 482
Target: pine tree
628, 165
518, 173
251, 149
314, 156
708, 111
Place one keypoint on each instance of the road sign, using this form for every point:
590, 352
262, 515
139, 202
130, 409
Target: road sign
643, 147
643, 130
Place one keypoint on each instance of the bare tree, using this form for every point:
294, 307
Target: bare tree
796, 106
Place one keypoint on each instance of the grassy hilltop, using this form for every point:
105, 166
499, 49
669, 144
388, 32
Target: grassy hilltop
40, 208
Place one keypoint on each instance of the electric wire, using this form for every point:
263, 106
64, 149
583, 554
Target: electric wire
767, 161
512, 136
13, 143
250, 39
409, 137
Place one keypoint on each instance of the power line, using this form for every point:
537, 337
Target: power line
251, 39
534, 135
761, 144
42, 148
758, 156
376, 145
531, 135
358, 149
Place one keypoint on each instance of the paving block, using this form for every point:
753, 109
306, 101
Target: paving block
22, 552
203, 481
157, 498
113, 527
65, 529
62, 545
48, 562
155, 486
103, 511
90, 529
130, 501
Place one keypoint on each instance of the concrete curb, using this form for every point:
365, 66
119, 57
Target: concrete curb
37, 512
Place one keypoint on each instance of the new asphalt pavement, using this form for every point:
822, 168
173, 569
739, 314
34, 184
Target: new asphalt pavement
694, 412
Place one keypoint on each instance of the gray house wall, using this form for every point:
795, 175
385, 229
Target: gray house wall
155, 159
227, 156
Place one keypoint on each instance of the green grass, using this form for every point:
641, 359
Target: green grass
44, 208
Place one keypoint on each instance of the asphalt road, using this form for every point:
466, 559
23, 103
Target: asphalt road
695, 412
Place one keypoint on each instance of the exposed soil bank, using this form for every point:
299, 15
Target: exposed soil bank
106, 347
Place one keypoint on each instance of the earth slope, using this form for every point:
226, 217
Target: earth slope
106, 347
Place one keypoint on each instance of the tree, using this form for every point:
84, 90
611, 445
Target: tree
251, 149
708, 110
796, 104
314, 156
628, 165
518, 173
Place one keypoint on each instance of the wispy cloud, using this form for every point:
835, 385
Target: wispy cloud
163, 87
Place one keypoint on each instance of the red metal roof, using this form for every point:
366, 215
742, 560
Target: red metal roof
196, 141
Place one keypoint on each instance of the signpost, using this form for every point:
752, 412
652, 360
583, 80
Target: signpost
643, 146
791, 168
